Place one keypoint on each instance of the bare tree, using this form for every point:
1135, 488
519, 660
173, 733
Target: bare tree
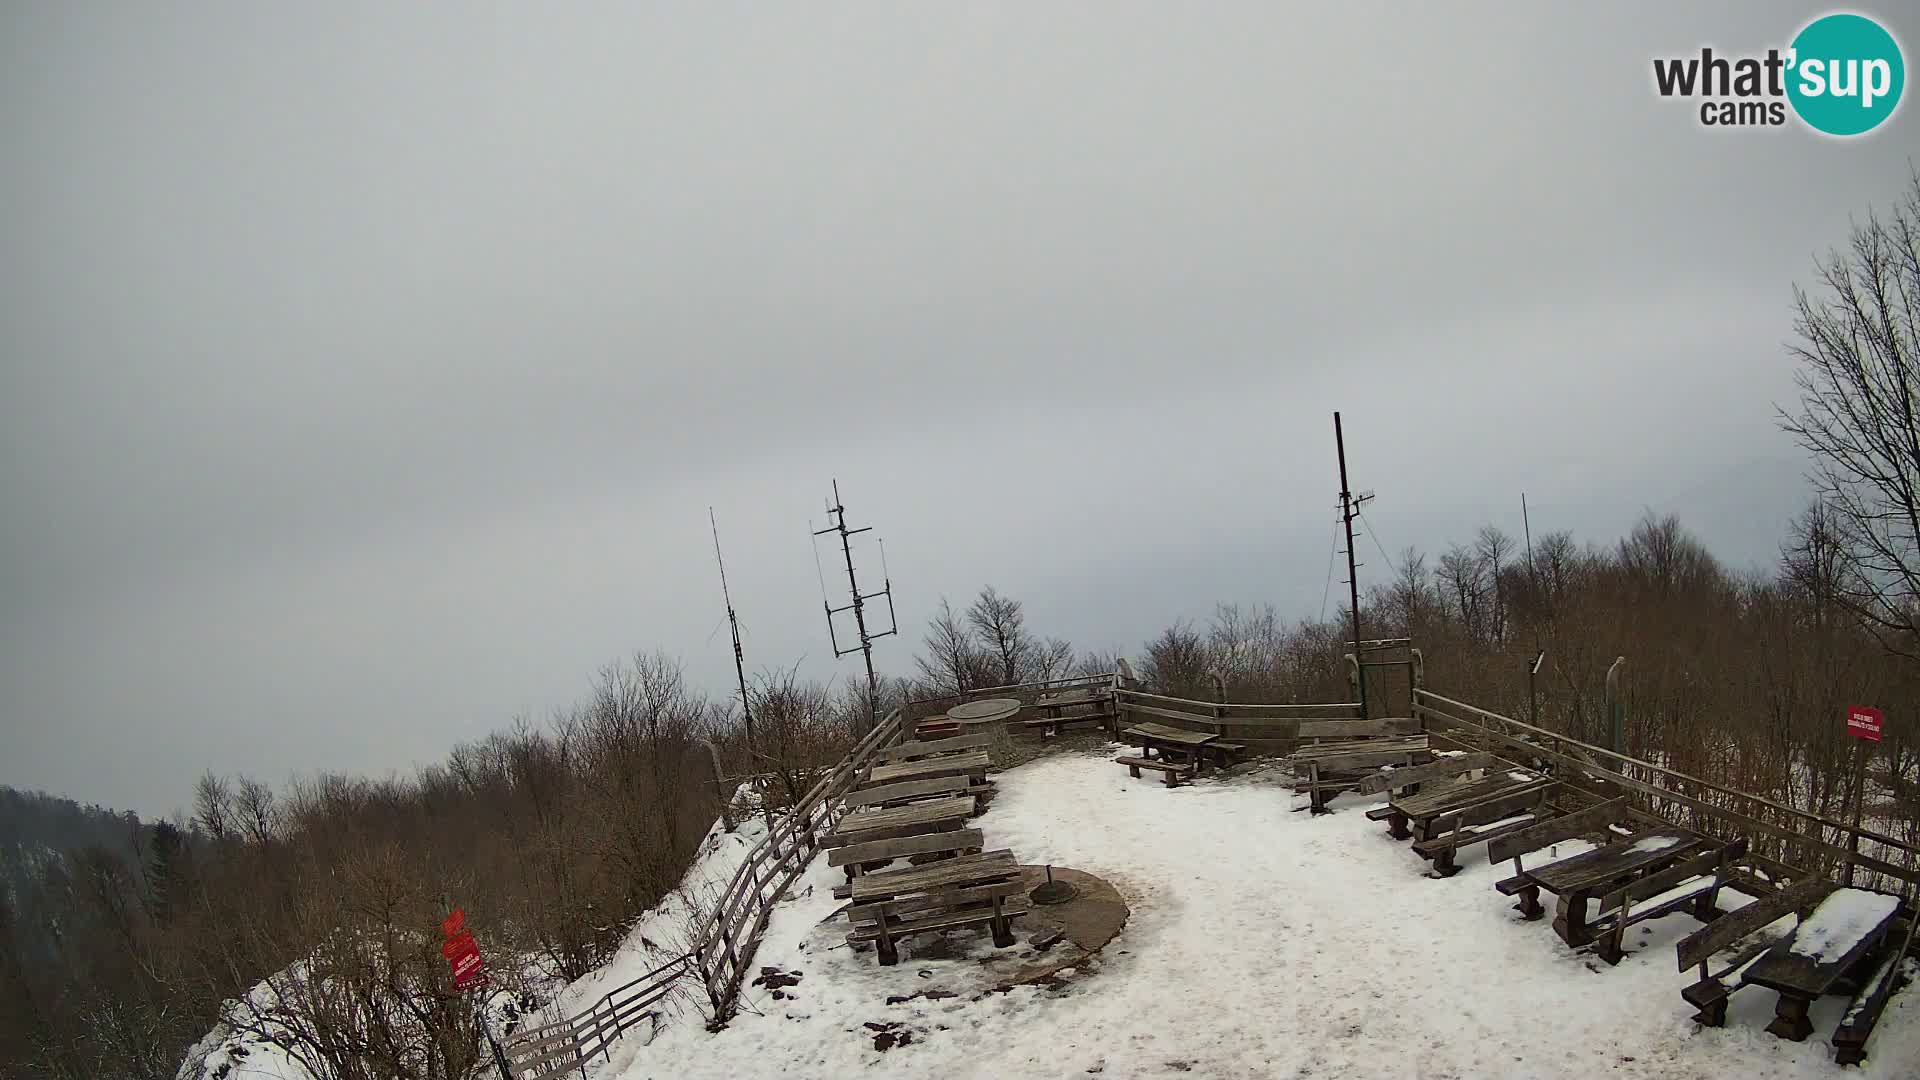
1859, 413
1001, 627
951, 657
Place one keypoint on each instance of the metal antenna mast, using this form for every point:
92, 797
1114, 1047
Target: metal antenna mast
739, 655
858, 606
1350, 509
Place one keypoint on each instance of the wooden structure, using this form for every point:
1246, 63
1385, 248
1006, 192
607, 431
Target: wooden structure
1261, 728
1339, 754
1057, 710
969, 890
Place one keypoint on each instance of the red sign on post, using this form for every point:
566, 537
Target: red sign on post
463, 953
1865, 722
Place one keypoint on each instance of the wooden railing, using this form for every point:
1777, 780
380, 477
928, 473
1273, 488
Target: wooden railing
725, 940
729, 934
1792, 837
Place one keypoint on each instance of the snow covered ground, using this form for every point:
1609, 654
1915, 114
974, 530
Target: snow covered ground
1262, 943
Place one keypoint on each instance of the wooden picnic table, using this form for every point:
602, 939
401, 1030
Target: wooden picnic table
1422, 809
969, 763
1578, 879
1828, 943
1169, 740
963, 891
937, 815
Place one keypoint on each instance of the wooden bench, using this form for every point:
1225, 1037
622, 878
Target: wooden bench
1518, 844
887, 823
1886, 978
926, 748
1693, 884
914, 791
1508, 810
1736, 939
973, 763
969, 890
872, 854
1171, 772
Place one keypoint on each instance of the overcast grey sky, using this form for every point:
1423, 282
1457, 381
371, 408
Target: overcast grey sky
366, 371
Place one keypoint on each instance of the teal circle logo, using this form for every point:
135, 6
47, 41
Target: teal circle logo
1846, 74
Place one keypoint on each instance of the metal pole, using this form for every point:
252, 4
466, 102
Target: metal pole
1616, 712
1353, 568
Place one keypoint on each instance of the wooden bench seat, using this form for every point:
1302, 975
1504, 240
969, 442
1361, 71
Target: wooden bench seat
1172, 772
942, 920
1380, 813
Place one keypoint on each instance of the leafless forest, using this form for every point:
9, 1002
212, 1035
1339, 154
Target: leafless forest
120, 940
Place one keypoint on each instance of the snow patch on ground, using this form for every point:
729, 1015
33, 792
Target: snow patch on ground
1262, 943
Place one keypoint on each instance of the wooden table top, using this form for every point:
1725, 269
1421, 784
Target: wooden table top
1433, 802
1404, 744
975, 712
931, 812
1826, 943
964, 870
1163, 733
1602, 866
930, 767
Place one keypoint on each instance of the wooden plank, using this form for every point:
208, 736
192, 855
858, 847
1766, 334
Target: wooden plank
1159, 764
914, 817
909, 751
1321, 751
947, 920
1358, 729
1171, 714
884, 793
1716, 935
902, 846
1420, 774
1437, 801
1604, 865
1564, 827
1705, 863
965, 870
1356, 760
945, 898
970, 763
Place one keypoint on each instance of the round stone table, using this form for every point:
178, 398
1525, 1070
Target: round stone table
989, 714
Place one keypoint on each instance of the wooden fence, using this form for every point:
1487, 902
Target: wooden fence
1264, 729
1793, 838
726, 938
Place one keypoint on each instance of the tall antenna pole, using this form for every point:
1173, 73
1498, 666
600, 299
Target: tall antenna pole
858, 606
739, 654
1349, 508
